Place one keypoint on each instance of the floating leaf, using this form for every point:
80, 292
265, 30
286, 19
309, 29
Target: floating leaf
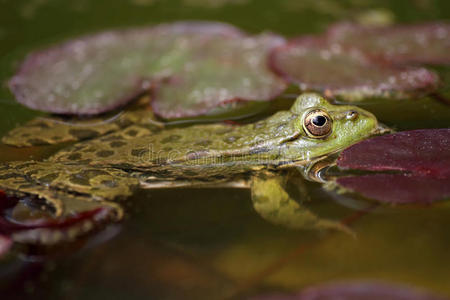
356, 291
226, 71
412, 166
427, 43
192, 67
315, 64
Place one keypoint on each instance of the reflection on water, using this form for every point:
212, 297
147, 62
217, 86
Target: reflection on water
192, 242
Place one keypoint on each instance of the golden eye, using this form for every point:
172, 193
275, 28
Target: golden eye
317, 123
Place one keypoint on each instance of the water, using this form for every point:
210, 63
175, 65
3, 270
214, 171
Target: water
209, 243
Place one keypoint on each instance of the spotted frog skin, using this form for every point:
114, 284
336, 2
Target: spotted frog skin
260, 156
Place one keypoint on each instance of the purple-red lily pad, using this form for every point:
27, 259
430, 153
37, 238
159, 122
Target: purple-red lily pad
191, 67
427, 43
410, 167
368, 290
313, 63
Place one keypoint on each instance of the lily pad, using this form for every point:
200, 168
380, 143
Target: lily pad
427, 43
368, 290
411, 166
314, 63
191, 68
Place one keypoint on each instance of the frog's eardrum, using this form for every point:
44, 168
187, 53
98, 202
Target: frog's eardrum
191, 68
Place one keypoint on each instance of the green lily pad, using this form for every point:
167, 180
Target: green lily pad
191, 68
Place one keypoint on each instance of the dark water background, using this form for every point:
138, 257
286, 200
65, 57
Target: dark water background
209, 243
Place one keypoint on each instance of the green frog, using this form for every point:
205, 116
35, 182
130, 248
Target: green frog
140, 154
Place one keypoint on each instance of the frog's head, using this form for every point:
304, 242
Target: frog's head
328, 128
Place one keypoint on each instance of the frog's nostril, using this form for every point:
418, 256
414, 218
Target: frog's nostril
352, 115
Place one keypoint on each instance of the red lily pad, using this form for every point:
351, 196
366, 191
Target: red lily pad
314, 63
357, 291
410, 166
427, 43
192, 67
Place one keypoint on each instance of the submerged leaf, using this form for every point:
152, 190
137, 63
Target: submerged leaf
427, 43
316, 64
369, 290
412, 166
192, 67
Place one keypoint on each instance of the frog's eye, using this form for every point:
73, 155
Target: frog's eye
317, 123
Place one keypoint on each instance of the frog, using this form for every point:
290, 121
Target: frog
261, 156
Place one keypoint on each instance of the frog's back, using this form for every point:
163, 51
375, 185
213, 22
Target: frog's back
213, 145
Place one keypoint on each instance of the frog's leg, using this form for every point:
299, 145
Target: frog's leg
67, 189
50, 130
274, 204
79, 209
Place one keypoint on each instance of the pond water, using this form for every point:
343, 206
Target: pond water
210, 243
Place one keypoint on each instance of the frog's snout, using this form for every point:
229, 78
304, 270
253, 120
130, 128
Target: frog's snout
358, 116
